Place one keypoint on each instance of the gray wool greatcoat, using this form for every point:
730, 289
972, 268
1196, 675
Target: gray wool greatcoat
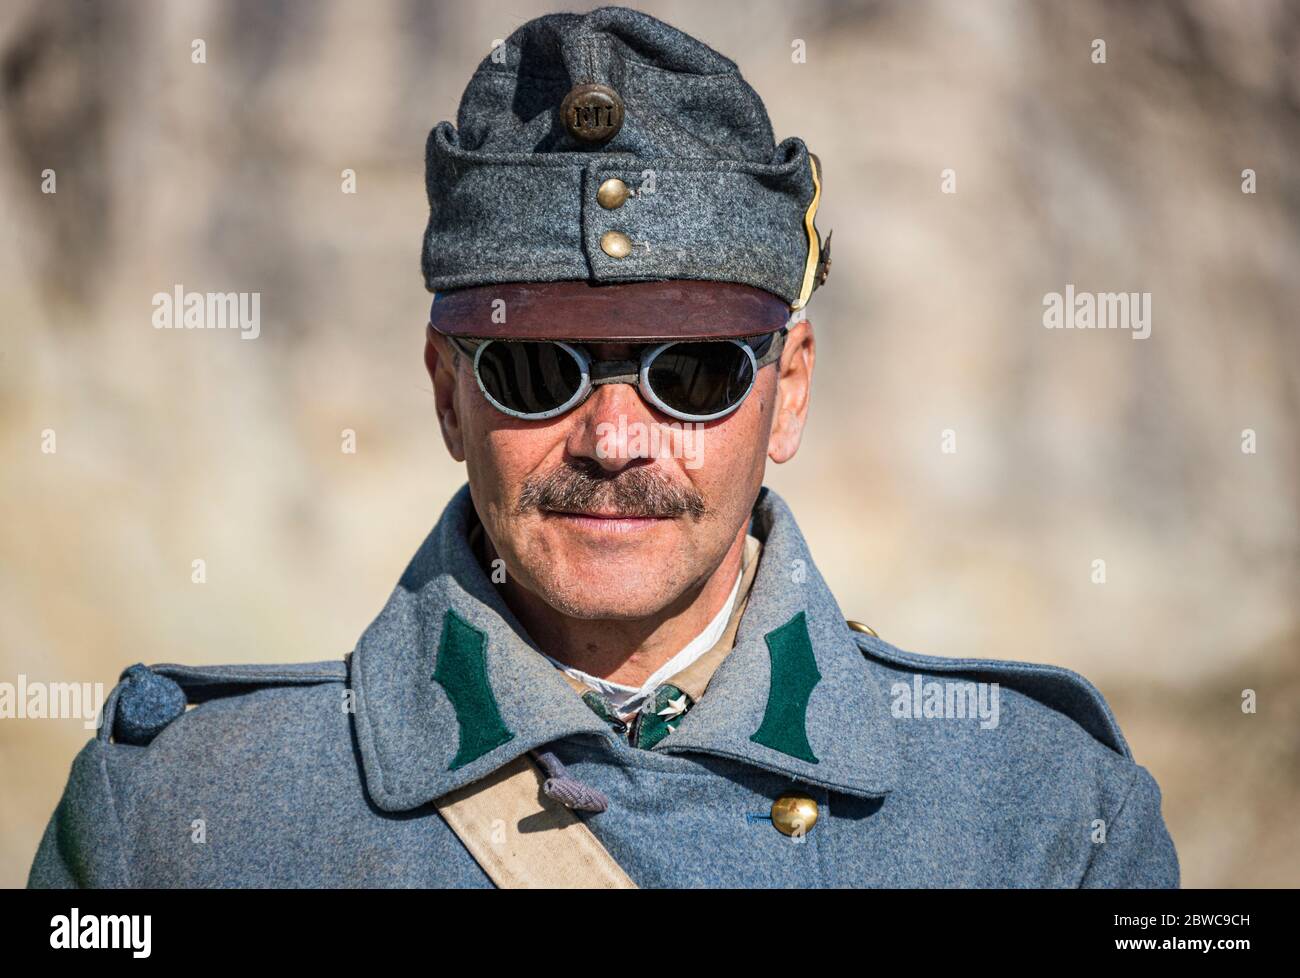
322, 774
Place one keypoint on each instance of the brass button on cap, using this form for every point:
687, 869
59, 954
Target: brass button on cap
592, 113
794, 814
616, 244
612, 193
858, 626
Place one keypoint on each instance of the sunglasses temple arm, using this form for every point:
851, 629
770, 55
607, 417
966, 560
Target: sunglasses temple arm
773, 352
469, 349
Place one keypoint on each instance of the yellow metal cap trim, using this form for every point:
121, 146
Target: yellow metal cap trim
814, 247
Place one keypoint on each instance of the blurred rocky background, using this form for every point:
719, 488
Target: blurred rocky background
1072, 446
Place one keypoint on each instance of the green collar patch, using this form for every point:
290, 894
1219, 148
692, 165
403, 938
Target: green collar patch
794, 674
462, 672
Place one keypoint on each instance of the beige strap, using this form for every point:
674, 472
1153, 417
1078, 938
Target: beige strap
525, 840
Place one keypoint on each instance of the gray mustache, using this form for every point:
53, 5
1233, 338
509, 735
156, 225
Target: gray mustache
631, 492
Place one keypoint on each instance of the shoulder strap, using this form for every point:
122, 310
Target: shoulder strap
556, 851
147, 698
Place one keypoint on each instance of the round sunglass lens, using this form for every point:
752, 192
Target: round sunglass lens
528, 378
701, 378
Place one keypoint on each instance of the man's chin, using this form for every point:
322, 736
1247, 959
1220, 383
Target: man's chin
606, 568
600, 592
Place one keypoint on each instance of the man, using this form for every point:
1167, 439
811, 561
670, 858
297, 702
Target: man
613, 662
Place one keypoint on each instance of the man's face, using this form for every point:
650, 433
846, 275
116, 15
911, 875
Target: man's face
614, 509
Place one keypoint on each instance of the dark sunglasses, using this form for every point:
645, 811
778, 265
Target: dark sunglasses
695, 380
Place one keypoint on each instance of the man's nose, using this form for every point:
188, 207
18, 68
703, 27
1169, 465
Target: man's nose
612, 427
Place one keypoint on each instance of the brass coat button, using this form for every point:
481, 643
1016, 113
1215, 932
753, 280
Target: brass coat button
794, 814
857, 626
612, 193
592, 113
616, 244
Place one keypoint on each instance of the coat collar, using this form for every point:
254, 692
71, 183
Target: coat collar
447, 690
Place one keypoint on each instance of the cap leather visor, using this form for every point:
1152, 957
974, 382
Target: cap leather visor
615, 312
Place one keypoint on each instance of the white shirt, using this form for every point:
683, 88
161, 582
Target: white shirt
627, 699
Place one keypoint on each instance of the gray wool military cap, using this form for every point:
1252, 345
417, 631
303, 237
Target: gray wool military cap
611, 177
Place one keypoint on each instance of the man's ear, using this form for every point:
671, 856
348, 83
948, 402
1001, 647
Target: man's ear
442, 361
794, 385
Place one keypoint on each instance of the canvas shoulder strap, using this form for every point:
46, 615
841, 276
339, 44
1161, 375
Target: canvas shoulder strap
543, 846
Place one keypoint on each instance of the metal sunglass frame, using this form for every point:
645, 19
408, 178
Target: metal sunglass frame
636, 372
